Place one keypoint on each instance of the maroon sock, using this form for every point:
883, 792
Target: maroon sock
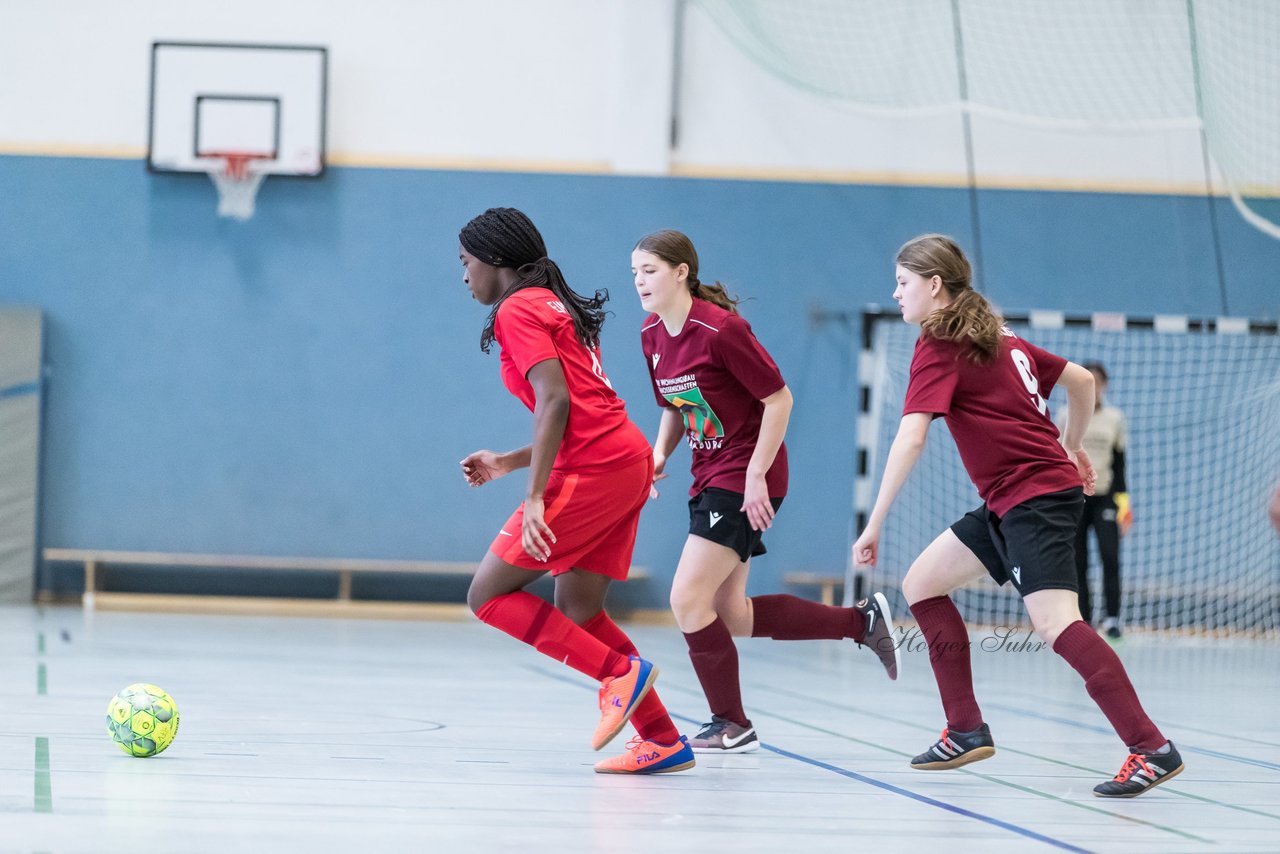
948, 639
715, 660
1108, 684
650, 718
792, 618
527, 618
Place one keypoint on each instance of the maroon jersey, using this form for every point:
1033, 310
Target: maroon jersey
715, 373
533, 326
997, 414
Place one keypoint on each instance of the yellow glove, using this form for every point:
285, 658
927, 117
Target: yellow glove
1124, 515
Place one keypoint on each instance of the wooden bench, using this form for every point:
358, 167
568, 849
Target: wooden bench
825, 582
343, 603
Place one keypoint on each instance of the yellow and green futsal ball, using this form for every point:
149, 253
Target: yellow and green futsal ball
142, 719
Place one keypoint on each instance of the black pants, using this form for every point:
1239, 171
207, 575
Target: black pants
1100, 514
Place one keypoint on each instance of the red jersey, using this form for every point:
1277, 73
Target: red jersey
533, 326
997, 414
715, 373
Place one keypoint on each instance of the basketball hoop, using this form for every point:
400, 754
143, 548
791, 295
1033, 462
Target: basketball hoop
237, 176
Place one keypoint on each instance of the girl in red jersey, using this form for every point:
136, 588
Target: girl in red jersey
590, 470
991, 387
719, 387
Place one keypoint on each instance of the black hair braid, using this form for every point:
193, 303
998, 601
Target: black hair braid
505, 237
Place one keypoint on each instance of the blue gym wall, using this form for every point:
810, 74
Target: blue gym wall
306, 382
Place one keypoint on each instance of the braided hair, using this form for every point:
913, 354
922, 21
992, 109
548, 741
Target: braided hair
505, 237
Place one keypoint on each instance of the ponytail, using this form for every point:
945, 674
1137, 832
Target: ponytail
714, 293
969, 320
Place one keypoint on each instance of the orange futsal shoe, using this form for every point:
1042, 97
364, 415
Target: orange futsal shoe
619, 696
649, 757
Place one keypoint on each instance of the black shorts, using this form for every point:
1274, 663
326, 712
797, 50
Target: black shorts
1033, 545
716, 515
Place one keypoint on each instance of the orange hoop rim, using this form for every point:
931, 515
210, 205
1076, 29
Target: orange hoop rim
236, 163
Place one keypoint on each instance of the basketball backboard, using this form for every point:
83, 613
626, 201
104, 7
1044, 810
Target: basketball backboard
266, 102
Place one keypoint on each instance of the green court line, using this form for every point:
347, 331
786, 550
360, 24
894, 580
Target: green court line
43, 788
39, 643
41, 678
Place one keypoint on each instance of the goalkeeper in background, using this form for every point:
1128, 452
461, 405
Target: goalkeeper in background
1107, 510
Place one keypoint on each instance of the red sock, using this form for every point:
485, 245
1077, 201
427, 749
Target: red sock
1108, 684
715, 660
793, 618
948, 641
650, 719
527, 618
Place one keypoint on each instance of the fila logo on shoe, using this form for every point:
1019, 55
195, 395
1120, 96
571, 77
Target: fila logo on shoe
656, 357
648, 757
1017, 574
715, 517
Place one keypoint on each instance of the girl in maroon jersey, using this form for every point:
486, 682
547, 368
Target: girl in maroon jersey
719, 387
991, 387
590, 470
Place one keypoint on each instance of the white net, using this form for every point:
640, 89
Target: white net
237, 182
1103, 65
1238, 49
1203, 409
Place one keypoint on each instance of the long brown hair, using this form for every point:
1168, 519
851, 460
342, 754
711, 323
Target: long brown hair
969, 319
675, 248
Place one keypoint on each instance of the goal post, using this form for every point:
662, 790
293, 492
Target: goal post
1202, 400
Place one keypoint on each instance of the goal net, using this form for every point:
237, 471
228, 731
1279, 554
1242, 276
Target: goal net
1202, 401
1108, 67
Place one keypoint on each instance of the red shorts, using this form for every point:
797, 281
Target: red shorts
594, 517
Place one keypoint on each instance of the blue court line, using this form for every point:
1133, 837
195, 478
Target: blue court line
1178, 792
1182, 747
1229, 757
992, 778
1006, 748
19, 389
898, 790
871, 781
924, 799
